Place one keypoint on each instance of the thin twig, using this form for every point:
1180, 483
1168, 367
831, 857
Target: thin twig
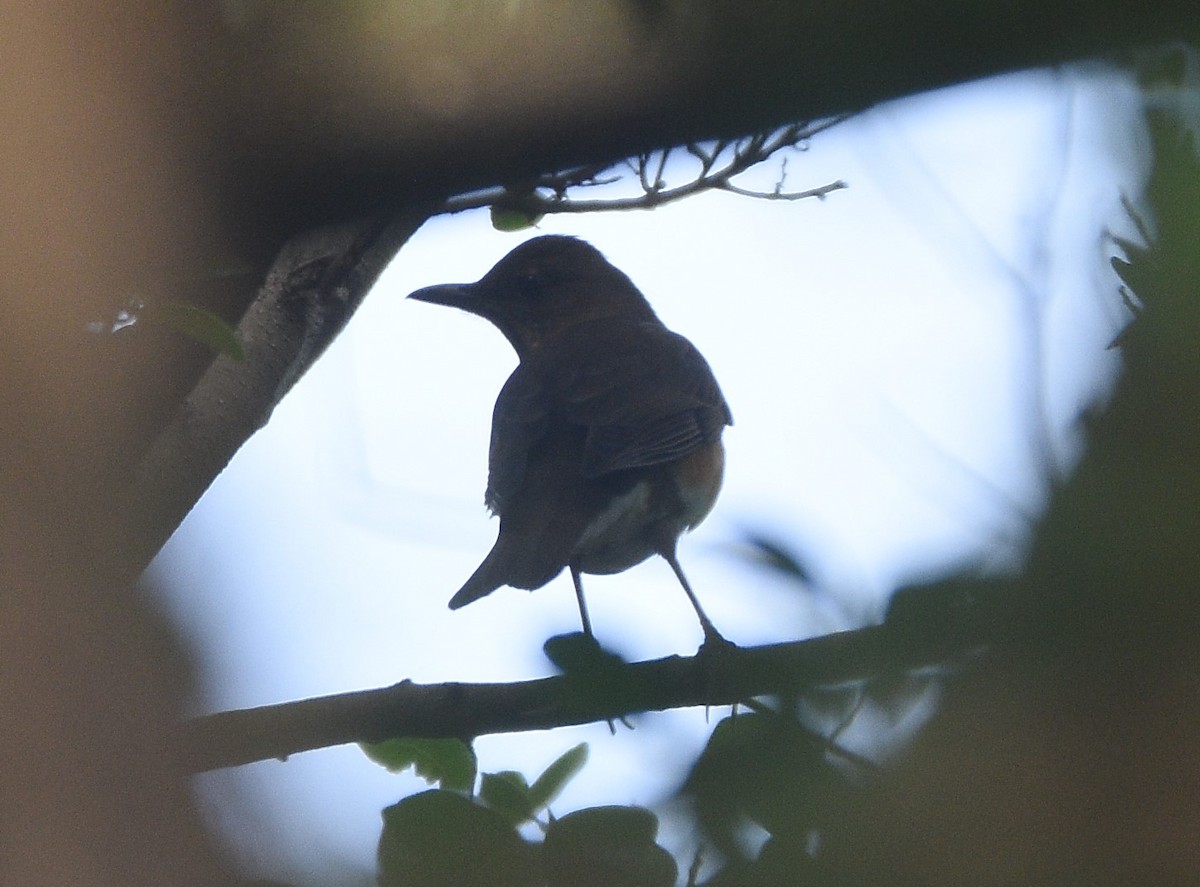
549, 194
820, 192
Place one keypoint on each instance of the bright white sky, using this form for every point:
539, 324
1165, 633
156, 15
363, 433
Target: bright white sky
900, 360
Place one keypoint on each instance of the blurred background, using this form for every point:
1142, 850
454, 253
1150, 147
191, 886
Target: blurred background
906, 362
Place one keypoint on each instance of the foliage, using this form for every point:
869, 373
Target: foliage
200, 325
449, 836
449, 762
1074, 643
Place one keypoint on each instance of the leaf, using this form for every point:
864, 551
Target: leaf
510, 795
200, 325
1134, 252
509, 218
548, 786
596, 678
442, 839
507, 793
579, 652
776, 556
607, 847
450, 763
763, 768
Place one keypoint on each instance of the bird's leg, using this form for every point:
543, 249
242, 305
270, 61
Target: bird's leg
602, 659
711, 635
583, 612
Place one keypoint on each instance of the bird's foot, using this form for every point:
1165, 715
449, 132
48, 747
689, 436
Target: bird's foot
715, 643
712, 655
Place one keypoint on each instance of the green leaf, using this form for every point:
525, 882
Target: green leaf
579, 652
548, 786
450, 763
597, 679
607, 847
507, 793
200, 325
764, 768
442, 839
509, 218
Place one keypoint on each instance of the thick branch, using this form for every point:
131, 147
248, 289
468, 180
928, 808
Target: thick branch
468, 710
314, 287
435, 105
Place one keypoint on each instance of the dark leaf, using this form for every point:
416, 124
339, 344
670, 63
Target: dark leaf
776, 556
765, 769
442, 839
579, 652
607, 847
507, 793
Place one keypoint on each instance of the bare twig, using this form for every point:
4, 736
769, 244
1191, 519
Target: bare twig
820, 193
659, 184
720, 163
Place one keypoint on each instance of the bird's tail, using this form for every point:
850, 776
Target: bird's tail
505, 565
482, 583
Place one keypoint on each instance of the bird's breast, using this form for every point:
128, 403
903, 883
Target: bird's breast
698, 477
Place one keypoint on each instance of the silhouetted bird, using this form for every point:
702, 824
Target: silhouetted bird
606, 439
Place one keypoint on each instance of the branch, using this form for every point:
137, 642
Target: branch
653, 199
317, 282
548, 194
468, 710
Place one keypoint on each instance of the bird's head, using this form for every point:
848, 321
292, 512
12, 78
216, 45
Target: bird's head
543, 287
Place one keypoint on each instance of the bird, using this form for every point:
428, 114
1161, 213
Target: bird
606, 441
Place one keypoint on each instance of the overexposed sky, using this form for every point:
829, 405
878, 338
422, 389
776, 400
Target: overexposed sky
904, 360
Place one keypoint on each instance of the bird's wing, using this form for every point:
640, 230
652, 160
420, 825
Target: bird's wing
640, 395
519, 421
644, 393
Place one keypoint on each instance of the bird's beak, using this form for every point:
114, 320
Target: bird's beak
456, 295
